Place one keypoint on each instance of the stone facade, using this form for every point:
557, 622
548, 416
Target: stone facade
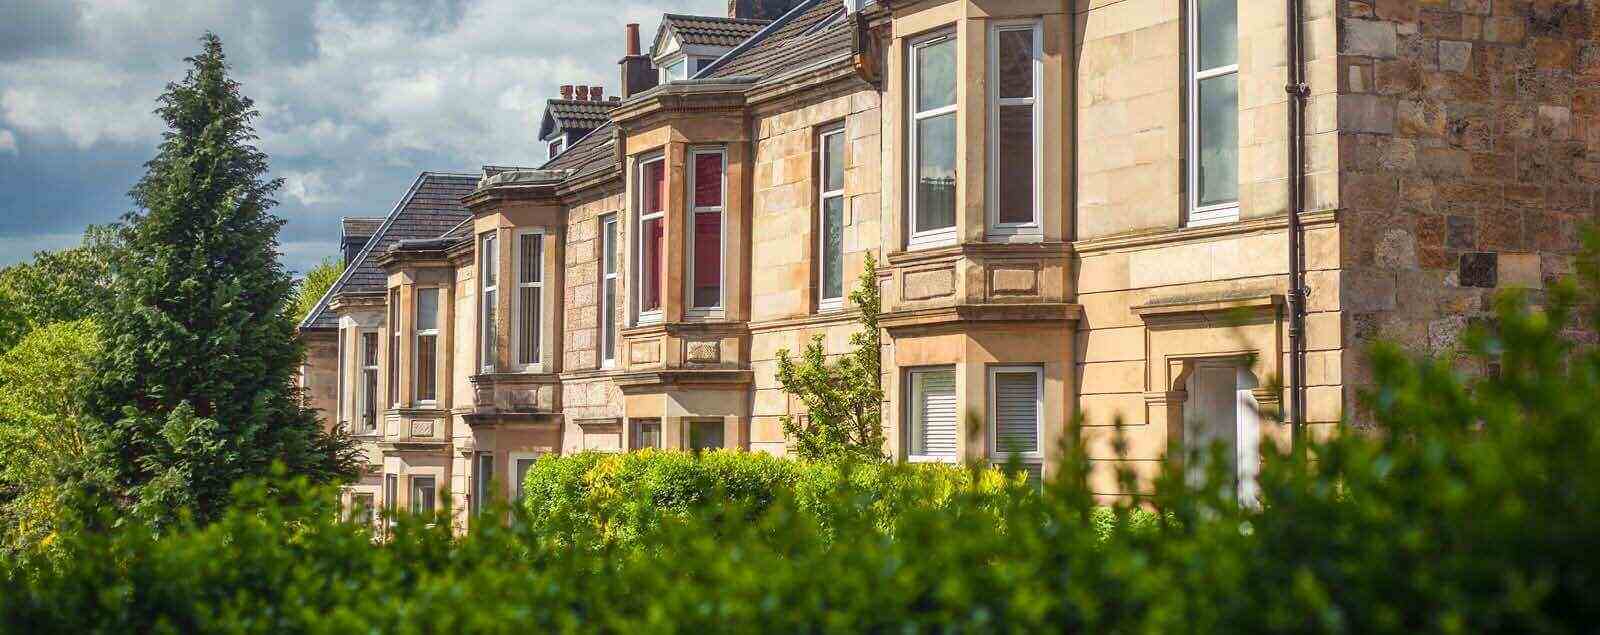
1451, 149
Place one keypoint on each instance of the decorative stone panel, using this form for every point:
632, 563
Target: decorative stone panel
422, 427
645, 352
703, 352
930, 283
1013, 280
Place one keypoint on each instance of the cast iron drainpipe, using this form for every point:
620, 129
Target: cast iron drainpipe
1299, 92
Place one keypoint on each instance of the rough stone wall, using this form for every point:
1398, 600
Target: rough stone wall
784, 238
581, 324
320, 380
1472, 163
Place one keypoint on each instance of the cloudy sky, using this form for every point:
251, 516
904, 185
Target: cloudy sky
356, 97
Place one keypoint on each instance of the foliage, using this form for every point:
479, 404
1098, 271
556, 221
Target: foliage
622, 495
57, 286
843, 399
1474, 511
196, 384
43, 427
316, 283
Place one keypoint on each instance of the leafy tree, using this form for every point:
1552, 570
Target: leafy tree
57, 286
44, 426
843, 399
314, 285
196, 384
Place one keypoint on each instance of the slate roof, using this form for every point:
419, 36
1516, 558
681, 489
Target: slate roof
595, 152
811, 32
573, 114
429, 209
707, 30
359, 226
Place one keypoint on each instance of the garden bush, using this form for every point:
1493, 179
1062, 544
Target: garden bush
1474, 509
620, 495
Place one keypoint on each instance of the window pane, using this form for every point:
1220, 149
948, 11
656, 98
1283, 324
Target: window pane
485, 480
651, 185
833, 162
369, 400
1219, 140
708, 259
531, 258
650, 263
833, 247
1218, 32
427, 346
645, 434
933, 430
936, 173
1016, 63
675, 70
1016, 409
528, 325
522, 474
707, 180
490, 274
608, 335
427, 309
705, 435
369, 349
491, 332
422, 495
608, 246
936, 74
1014, 183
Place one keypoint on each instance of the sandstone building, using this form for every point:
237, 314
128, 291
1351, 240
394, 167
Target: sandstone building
1080, 207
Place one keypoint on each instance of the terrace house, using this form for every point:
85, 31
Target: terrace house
1080, 208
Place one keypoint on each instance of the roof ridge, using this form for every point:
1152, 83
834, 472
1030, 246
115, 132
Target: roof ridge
715, 17
350, 268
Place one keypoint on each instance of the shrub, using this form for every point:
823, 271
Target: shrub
621, 495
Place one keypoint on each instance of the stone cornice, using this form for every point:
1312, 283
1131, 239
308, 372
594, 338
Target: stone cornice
978, 313
1194, 234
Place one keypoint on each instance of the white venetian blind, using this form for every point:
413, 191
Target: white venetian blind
1016, 411
935, 432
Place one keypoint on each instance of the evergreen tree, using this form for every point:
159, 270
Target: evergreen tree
843, 399
197, 380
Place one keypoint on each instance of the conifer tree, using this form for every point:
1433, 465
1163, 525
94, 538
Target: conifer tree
196, 385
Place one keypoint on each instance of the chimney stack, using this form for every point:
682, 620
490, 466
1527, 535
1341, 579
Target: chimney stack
566, 91
637, 73
594, 93
583, 93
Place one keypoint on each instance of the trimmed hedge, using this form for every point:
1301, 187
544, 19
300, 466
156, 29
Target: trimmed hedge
622, 495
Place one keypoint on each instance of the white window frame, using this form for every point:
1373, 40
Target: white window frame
341, 417
916, 238
481, 487
910, 415
825, 303
691, 65
1034, 228
516, 302
1038, 422
488, 257
513, 483
610, 270
634, 424
641, 316
722, 240
395, 337
555, 146
416, 343
377, 380
1197, 215
414, 484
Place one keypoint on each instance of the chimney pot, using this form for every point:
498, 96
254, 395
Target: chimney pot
595, 91
583, 93
633, 38
566, 91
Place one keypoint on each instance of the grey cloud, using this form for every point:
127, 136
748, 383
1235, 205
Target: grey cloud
32, 28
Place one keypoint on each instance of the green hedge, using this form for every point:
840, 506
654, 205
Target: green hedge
623, 495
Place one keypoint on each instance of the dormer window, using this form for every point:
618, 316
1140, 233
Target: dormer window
555, 148
675, 70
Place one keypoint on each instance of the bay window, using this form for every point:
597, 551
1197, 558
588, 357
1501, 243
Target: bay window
422, 493
1213, 117
830, 221
931, 416
530, 287
652, 239
427, 344
707, 190
932, 143
608, 290
1016, 70
367, 399
489, 277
